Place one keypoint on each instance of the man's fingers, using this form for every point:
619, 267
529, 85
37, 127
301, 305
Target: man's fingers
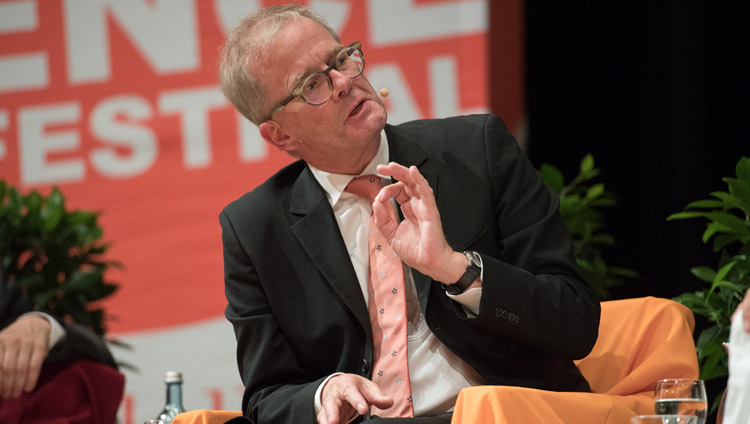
331, 410
384, 220
422, 187
23, 347
376, 397
410, 184
8, 366
22, 368
352, 398
35, 366
398, 191
342, 399
394, 170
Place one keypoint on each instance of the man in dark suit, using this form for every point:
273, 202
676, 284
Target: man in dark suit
492, 289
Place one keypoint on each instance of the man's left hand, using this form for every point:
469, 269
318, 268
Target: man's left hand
418, 239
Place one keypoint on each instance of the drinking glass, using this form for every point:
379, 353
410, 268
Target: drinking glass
664, 419
681, 396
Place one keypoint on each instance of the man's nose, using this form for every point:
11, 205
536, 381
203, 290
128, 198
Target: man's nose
341, 84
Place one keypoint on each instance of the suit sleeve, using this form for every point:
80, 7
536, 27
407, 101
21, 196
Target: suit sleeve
277, 389
80, 343
533, 290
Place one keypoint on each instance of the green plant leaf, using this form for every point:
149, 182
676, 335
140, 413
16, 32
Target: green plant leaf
685, 215
604, 239
622, 272
101, 292
587, 163
711, 229
721, 273
707, 336
708, 203
15, 202
739, 189
730, 200
83, 281
552, 177
731, 221
743, 169
42, 299
579, 207
704, 273
721, 241
603, 202
52, 212
595, 191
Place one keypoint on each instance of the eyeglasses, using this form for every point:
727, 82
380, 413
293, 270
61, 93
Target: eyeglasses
316, 89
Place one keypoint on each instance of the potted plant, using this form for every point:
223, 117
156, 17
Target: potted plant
55, 255
728, 225
580, 204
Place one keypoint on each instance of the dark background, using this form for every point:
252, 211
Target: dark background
659, 93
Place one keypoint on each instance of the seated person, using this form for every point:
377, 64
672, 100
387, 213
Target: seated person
30, 340
484, 288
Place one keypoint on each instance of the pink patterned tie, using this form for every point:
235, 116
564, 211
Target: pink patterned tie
387, 306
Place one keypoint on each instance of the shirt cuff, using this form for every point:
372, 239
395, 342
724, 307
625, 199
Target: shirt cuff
56, 331
318, 401
470, 299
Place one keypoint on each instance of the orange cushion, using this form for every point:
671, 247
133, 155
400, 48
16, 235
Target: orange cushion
205, 416
640, 341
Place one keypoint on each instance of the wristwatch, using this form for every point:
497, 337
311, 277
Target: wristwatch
473, 271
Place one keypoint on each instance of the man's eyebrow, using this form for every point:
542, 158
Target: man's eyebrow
311, 69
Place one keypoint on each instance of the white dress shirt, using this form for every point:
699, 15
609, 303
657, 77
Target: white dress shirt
436, 373
56, 331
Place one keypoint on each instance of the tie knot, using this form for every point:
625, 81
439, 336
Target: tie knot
366, 186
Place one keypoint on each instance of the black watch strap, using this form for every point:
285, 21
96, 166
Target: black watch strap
473, 271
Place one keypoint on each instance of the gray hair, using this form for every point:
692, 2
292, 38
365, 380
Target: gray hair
245, 44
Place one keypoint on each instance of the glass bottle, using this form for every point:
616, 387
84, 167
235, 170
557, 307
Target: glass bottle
173, 406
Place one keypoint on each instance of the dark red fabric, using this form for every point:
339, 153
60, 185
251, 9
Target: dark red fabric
80, 392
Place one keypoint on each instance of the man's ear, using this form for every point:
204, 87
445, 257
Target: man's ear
271, 132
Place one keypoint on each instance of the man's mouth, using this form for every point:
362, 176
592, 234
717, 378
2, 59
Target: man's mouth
356, 109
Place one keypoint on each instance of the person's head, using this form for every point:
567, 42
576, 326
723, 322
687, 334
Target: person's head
269, 57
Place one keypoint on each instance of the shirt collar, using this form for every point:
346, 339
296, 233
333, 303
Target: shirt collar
334, 184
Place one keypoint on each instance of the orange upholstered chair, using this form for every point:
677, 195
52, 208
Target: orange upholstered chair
640, 341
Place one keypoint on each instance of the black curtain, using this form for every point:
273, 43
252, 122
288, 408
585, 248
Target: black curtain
659, 93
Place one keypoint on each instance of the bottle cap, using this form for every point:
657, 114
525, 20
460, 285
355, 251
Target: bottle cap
173, 377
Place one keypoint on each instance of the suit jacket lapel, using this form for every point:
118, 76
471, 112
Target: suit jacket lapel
318, 233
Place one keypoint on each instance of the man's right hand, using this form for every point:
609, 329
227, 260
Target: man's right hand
346, 396
23, 347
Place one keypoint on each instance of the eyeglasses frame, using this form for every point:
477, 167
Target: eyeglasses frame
297, 92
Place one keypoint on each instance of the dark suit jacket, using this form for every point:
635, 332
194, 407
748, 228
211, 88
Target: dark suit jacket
297, 307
